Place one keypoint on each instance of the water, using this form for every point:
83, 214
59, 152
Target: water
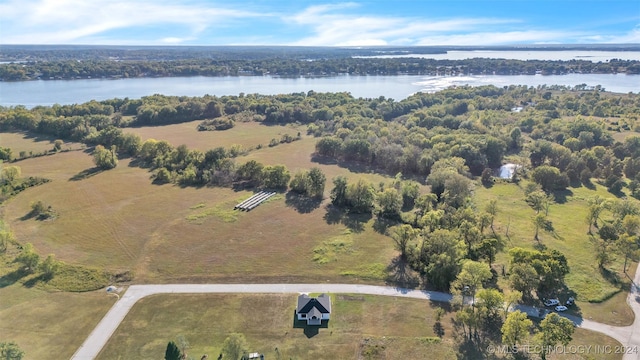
563, 55
49, 92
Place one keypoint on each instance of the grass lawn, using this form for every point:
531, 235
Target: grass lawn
361, 327
118, 220
247, 134
49, 325
358, 324
34, 143
571, 239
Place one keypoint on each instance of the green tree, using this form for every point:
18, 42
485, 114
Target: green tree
554, 329
172, 352
492, 210
442, 253
628, 246
471, 277
300, 182
516, 328
10, 174
105, 159
549, 178
524, 278
275, 177
29, 258
49, 266
403, 235
390, 203
235, 347
250, 171
10, 351
317, 181
360, 196
339, 191
539, 221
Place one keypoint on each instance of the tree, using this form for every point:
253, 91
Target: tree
524, 278
441, 254
457, 188
29, 258
10, 174
10, 351
339, 191
516, 328
539, 221
596, 205
50, 266
360, 196
549, 178
235, 347
300, 182
471, 277
105, 159
492, 209
172, 352
628, 247
317, 180
554, 329
402, 235
538, 200
275, 177
390, 203
250, 171
57, 145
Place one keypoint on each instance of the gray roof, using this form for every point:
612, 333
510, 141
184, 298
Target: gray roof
306, 304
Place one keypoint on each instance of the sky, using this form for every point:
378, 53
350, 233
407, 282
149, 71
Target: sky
319, 23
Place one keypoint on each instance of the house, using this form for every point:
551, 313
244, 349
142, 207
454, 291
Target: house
313, 310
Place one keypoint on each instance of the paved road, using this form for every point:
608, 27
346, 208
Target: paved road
629, 336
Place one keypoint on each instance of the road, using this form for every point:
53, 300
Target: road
629, 336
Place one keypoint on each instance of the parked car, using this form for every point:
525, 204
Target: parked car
570, 301
561, 308
551, 302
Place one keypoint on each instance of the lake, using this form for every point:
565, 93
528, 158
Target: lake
49, 92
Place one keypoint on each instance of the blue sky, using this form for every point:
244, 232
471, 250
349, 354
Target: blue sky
319, 23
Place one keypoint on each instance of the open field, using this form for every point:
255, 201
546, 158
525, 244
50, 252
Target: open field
36, 144
571, 239
247, 134
49, 325
189, 234
361, 327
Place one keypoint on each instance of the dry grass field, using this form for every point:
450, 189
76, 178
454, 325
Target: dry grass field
361, 327
247, 134
49, 325
117, 219
21, 141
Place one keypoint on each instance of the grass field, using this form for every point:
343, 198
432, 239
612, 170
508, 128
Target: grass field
36, 144
49, 325
571, 239
119, 220
361, 327
247, 134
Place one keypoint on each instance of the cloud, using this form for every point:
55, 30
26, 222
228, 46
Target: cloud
332, 28
75, 21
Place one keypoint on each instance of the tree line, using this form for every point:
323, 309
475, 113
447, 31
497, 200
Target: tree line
93, 68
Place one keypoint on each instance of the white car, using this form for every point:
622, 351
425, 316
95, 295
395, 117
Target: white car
561, 308
551, 302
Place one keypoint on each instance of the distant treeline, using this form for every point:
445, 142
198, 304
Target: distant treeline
91, 68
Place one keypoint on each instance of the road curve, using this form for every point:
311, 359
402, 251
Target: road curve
628, 336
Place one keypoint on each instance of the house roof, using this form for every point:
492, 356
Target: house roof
307, 304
